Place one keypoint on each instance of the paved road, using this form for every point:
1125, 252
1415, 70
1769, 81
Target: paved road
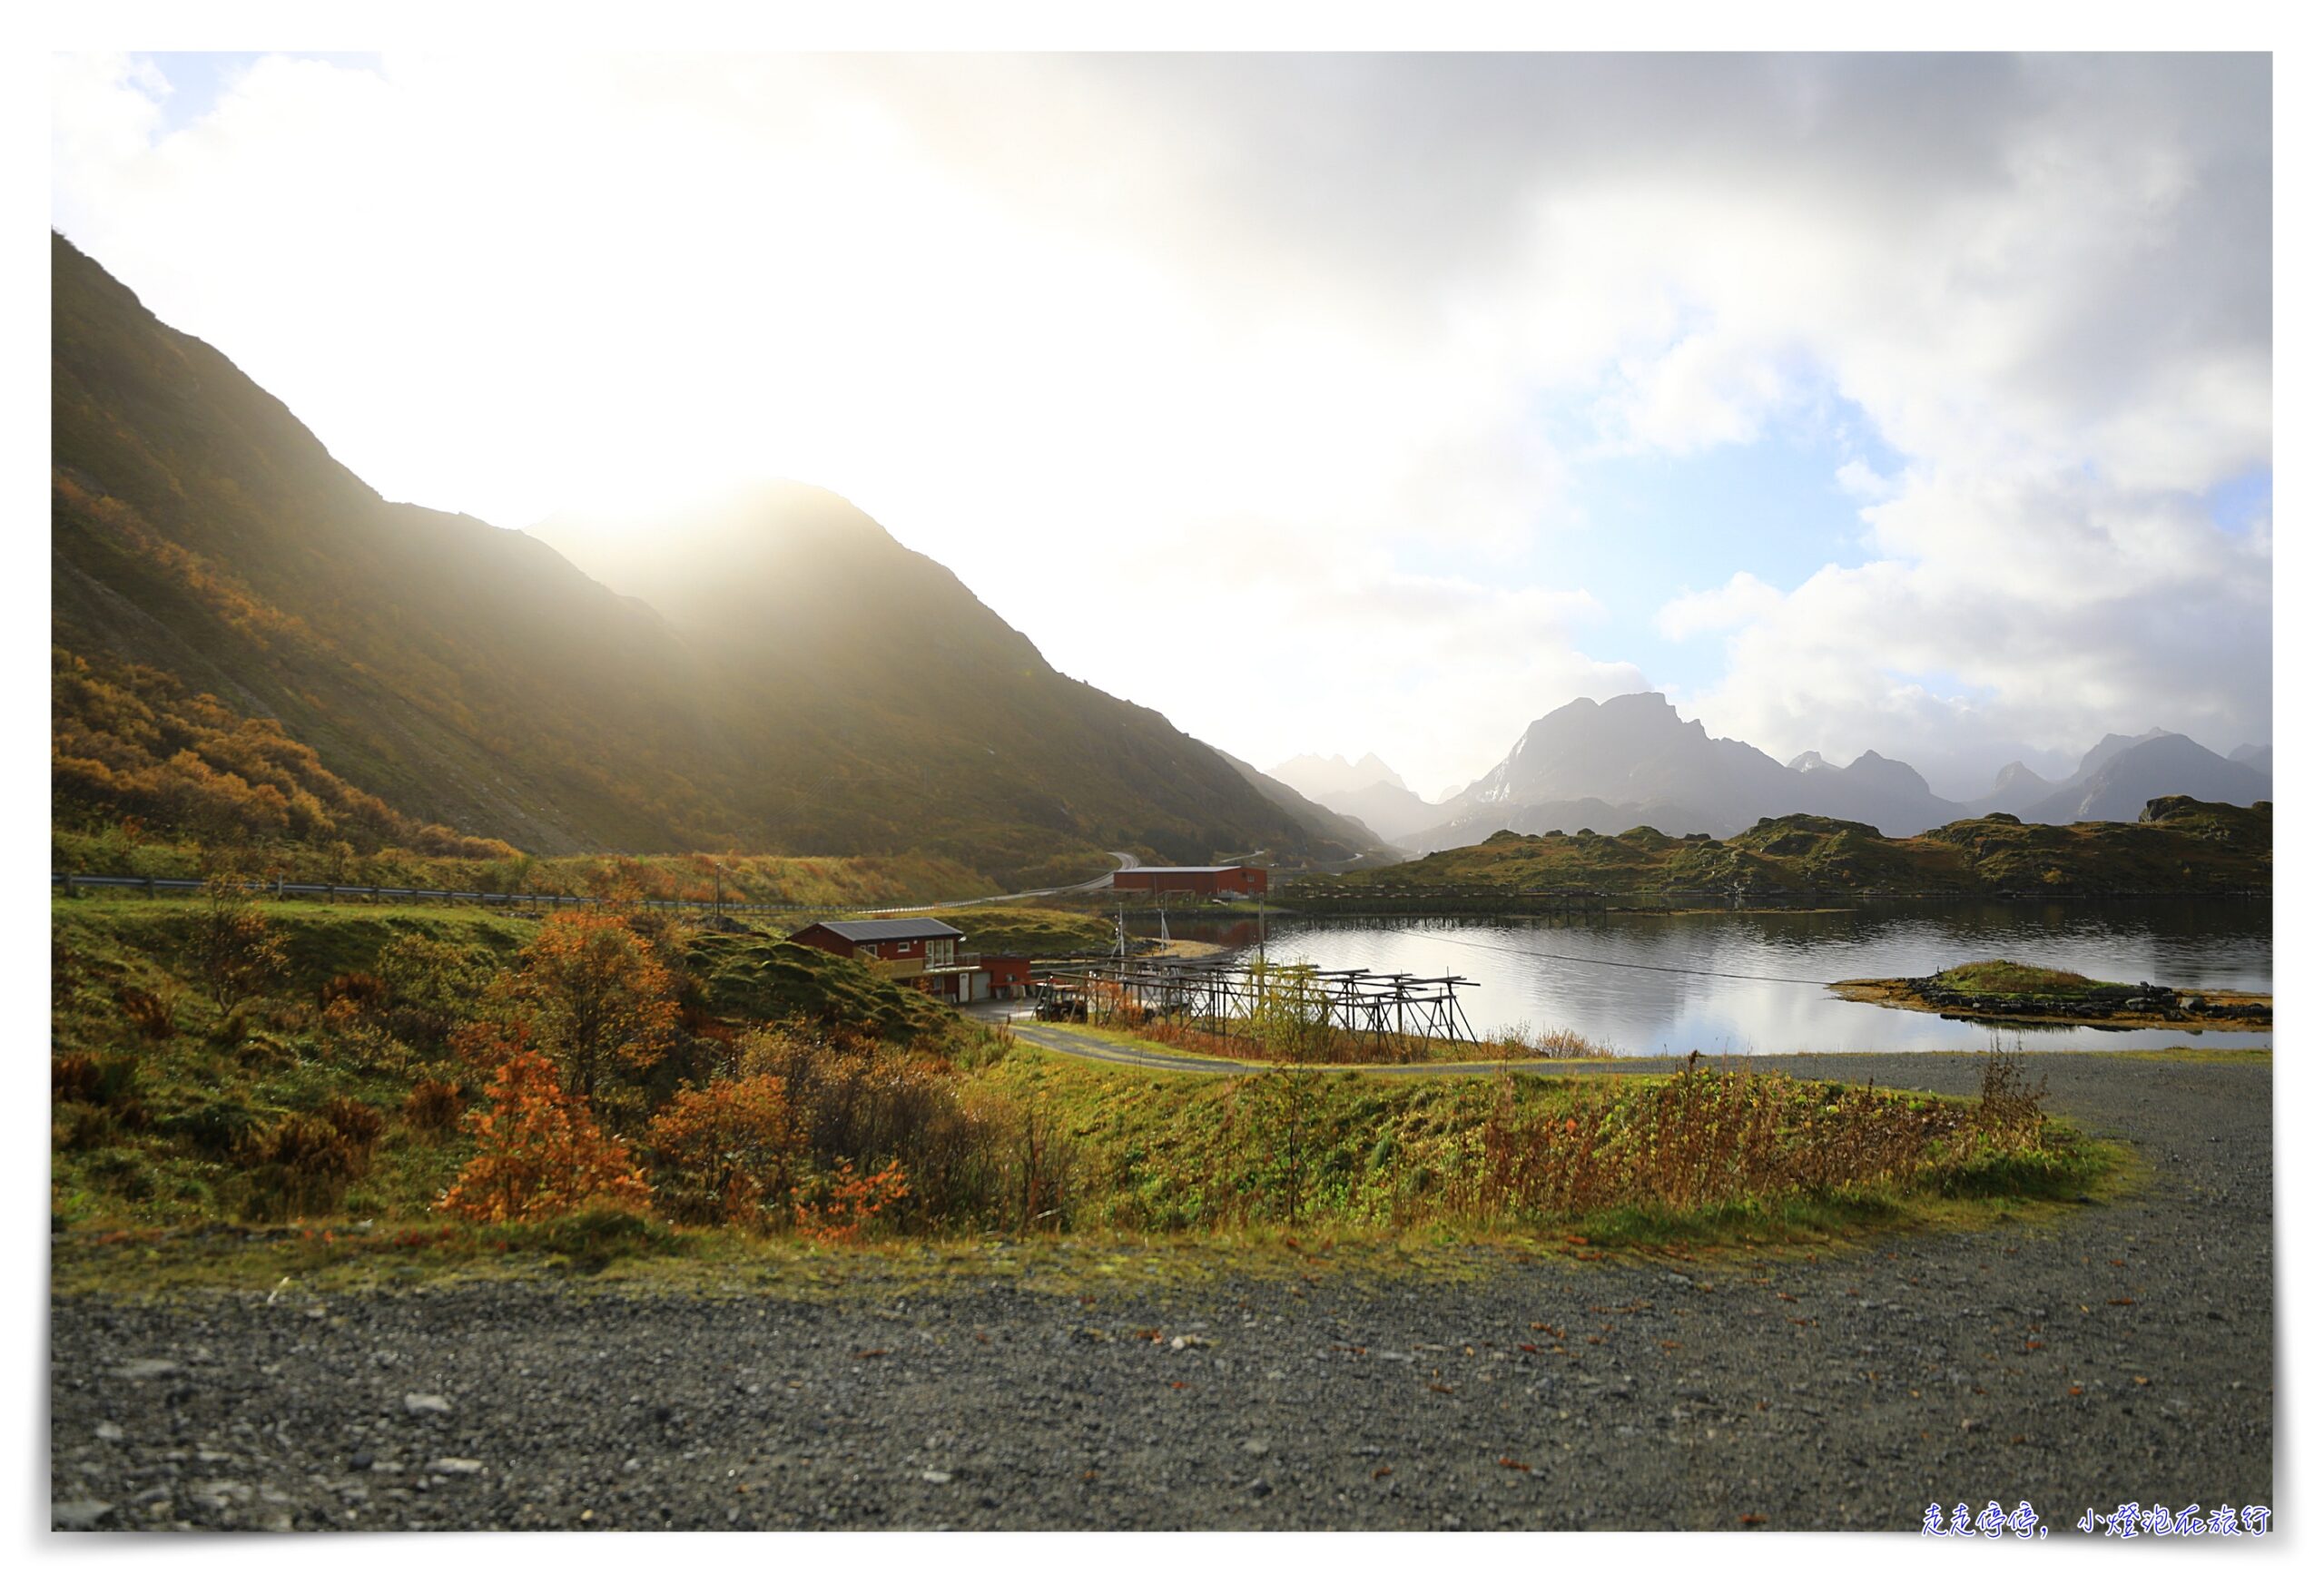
2124, 1351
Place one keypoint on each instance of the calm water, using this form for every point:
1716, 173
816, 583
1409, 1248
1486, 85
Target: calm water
1664, 999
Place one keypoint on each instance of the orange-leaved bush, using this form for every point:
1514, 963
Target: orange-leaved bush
727, 1153
840, 1207
539, 1153
602, 1004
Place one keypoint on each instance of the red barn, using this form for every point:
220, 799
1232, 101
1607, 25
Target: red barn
1216, 879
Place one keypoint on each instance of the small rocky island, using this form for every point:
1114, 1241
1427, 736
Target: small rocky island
2016, 995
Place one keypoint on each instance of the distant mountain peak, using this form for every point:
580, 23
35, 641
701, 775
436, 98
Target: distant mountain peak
1318, 775
2137, 770
1810, 759
2109, 746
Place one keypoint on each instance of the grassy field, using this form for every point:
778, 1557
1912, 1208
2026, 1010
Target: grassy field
1031, 931
173, 1119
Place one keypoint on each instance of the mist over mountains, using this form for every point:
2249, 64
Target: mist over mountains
771, 673
1633, 760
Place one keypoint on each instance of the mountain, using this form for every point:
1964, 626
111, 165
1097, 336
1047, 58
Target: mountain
2144, 768
1312, 775
1366, 789
1631, 761
793, 679
1638, 758
2017, 789
2261, 757
2108, 748
1395, 812
1352, 838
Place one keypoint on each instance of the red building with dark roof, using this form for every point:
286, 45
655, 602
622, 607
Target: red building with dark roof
1215, 879
924, 953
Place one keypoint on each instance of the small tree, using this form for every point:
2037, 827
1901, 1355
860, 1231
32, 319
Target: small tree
539, 1153
236, 954
602, 1004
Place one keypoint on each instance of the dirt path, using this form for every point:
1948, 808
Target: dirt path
2120, 1353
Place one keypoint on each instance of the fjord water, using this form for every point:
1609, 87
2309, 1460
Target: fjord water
1666, 997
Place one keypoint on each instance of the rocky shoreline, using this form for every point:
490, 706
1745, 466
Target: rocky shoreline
2104, 1006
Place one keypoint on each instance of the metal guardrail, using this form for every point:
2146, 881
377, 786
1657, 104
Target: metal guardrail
284, 889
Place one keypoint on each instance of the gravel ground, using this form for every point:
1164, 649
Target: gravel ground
2122, 1352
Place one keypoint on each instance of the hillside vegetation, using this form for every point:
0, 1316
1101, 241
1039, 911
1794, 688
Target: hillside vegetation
2179, 846
385, 669
414, 1077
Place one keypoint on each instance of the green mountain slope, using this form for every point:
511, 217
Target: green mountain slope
826, 690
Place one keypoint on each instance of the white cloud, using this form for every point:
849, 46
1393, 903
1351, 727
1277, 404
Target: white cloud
1289, 325
1743, 600
1862, 481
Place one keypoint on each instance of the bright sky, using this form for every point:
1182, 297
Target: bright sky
1919, 404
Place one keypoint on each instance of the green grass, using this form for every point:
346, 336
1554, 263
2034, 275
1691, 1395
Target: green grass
1030, 931
1999, 977
1381, 1160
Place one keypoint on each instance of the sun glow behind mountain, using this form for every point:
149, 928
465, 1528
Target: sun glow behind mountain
1447, 404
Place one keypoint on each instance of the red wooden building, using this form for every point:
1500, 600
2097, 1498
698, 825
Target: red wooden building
886, 940
924, 953
1215, 879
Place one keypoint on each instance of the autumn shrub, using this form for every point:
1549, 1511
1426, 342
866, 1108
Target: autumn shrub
106, 1091
852, 1099
303, 1165
74, 1078
540, 1154
840, 1205
433, 1105
75, 1126
236, 953
365, 994
1520, 1042
603, 1005
153, 1016
728, 1153
357, 1122
2008, 1113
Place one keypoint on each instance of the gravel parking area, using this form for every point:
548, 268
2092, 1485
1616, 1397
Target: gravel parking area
2122, 1352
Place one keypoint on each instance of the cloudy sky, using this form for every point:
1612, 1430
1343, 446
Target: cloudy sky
1919, 404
